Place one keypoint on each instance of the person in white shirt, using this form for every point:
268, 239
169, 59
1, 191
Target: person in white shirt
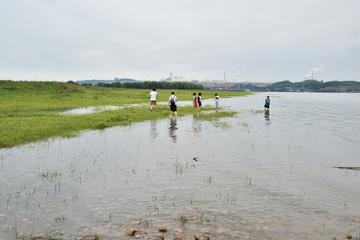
172, 104
153, 95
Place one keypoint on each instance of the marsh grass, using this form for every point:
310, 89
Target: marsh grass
257, 111
96, 237
183, 219
244, 124
22, 127
214, 115
29, 110
49, 174
214, 119
222, 125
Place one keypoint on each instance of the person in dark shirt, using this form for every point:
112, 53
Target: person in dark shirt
267, 104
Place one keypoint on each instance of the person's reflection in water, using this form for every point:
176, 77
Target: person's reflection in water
196, 125
267, 117
153, 132
173, 128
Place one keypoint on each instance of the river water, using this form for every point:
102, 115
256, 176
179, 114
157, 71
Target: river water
252, 176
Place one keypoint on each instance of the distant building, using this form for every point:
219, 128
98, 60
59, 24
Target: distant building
179, 79
233, 86
174, 79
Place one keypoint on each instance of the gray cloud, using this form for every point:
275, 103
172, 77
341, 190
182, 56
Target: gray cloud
269, 40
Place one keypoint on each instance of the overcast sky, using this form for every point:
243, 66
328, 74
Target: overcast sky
252, 40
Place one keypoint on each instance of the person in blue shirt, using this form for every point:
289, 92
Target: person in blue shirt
267, 104
217, 100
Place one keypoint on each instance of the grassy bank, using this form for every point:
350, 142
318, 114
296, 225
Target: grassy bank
29, 110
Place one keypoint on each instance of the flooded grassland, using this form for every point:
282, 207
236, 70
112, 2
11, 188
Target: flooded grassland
250, 176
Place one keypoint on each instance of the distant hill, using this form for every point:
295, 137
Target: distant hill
314, 86
304, 86
95, 81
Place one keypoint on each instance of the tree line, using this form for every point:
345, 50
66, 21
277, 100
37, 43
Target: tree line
148, 85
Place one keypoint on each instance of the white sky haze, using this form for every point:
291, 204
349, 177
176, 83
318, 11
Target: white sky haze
253, 40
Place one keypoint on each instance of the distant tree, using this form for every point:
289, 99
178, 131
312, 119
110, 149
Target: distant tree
312, 85
117, 85
101, 84
281, 86
72, 82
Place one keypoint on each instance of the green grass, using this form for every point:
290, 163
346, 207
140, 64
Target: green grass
56, 96
29, 110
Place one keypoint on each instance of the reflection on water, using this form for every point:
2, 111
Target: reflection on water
153, 130
95, 109
173, 128
251, 181
196, 125
88, 110
267, 117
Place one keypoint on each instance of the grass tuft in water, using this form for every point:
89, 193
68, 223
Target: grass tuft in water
215, 115
183, 219
222, 125
257, 111
244, 124
49, 174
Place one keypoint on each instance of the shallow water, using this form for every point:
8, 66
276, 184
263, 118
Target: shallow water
96, 109
88, 110
253, 176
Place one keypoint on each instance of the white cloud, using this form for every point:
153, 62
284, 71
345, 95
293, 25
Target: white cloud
272, 40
